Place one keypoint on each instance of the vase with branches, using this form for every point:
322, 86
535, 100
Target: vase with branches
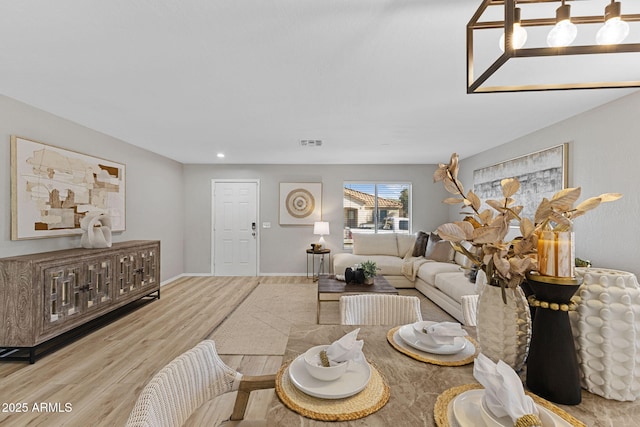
506, 262
504, 329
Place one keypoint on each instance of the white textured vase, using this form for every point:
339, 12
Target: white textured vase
605, 327
504, 330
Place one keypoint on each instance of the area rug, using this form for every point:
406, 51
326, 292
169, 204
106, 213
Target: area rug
261, 324
428, 308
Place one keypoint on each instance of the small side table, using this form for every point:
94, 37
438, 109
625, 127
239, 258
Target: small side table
320, 253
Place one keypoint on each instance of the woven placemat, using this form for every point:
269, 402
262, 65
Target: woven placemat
464, 357
441, 408
374, 396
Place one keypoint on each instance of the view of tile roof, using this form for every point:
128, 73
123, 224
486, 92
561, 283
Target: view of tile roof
369, 199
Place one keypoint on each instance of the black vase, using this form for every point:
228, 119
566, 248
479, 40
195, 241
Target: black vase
528, 291
552, 364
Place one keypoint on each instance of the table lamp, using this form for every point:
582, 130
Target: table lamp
321, 228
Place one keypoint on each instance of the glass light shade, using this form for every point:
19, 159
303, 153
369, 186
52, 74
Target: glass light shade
614, 31
518, 39
562, 34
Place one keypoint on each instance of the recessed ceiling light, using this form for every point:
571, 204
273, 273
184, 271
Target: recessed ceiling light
220, 155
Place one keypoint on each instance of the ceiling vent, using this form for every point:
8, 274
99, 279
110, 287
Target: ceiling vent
311, 142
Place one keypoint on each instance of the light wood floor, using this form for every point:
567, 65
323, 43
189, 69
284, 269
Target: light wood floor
101, 374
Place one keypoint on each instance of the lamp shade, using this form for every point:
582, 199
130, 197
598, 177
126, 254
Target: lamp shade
321, 228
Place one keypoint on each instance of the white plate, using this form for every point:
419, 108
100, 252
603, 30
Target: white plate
408, 335
352, 382
466, 411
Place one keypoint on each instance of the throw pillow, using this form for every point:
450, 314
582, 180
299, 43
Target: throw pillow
420, 247
431, 242
439, 250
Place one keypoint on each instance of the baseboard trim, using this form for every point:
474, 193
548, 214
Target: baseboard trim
212, 275
179, 276
284, 274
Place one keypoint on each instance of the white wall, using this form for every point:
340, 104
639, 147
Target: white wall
172, 202
603, 157
283, 248
154, 196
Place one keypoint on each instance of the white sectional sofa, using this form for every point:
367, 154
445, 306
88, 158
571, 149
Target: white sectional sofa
386, 249
438, 273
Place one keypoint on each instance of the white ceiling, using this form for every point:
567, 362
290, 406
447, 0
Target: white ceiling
378, 81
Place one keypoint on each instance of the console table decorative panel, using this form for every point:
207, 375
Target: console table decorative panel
45, 295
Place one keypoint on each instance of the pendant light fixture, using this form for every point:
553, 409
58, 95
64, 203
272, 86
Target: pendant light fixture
519, 35
602, 61
565, 31
614, 30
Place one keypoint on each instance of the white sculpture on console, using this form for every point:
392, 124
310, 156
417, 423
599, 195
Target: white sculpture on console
96, 231
606, 327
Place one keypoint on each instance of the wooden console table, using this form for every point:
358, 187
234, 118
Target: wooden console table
48, 294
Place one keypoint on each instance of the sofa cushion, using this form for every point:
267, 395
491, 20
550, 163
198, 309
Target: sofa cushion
430, 269
375, 244
388, 265
405, 243
420, 246
454, 285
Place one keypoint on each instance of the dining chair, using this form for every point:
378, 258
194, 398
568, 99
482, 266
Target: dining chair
187, 382
469, 307
379, 309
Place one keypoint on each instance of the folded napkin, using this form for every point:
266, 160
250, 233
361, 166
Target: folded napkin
504, 393
346, 348
445, 332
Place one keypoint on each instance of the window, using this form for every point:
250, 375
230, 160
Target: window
376, 208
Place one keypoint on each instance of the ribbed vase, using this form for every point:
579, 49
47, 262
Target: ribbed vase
606, 326
504, 330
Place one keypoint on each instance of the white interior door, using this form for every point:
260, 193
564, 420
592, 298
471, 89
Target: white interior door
235, 228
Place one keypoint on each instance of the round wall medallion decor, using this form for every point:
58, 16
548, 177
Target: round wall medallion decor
300, 203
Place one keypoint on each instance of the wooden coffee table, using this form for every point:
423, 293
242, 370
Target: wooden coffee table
330, 289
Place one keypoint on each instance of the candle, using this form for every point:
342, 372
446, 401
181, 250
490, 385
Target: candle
556, 254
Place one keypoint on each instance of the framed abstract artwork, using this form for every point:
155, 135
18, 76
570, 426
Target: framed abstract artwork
300, 203
541, 174
52, 189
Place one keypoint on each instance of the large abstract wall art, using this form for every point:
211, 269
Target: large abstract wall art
52, 189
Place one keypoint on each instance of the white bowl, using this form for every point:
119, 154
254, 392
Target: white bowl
493, 421
421, 335
321, 372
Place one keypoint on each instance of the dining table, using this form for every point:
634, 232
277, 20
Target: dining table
415, 385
